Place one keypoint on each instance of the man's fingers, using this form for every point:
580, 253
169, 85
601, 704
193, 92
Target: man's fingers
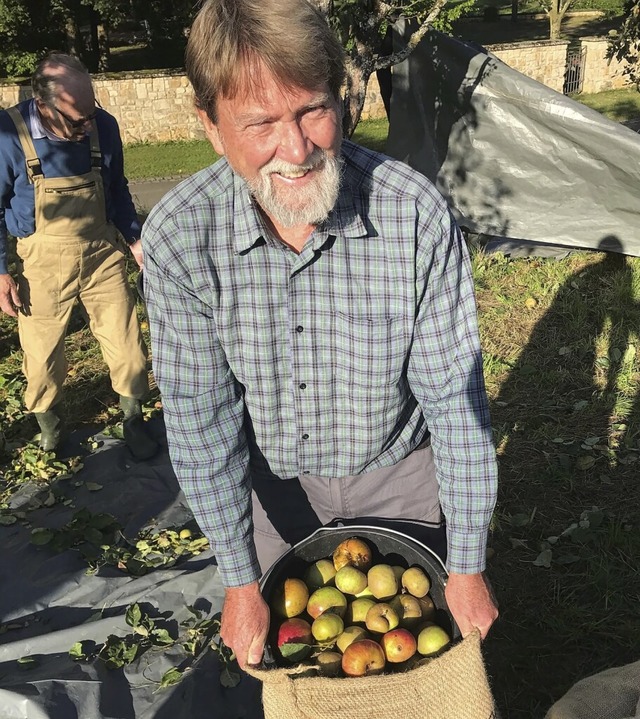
15, 297
256, 650
8, 306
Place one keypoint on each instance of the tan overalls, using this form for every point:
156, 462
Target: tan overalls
73, 254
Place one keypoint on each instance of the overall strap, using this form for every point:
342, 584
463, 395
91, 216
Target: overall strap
33, 163
96, 155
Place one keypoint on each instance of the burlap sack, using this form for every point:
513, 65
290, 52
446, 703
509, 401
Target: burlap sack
453, 686
612, 694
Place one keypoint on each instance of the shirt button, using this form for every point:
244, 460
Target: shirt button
299, 328
305, 436
303, 385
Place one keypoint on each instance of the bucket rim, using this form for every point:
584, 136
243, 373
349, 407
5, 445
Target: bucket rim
355, 527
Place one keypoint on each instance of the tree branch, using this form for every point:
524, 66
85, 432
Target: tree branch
397, 57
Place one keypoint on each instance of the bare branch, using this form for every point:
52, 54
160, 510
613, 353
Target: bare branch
397, 57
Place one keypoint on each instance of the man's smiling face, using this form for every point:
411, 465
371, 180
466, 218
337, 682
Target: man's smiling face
285, 142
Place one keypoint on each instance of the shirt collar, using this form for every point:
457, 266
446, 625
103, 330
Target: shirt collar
250, 231
38, 130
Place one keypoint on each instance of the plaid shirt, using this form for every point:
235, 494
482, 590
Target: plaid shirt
345, 357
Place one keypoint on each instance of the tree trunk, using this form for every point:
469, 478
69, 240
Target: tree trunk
555, 21
73, 38
104, 55
354, 98
514, 10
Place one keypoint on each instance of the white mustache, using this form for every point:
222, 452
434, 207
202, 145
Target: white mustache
281, 167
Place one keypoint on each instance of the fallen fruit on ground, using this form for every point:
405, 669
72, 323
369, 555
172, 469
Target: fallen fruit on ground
363, 658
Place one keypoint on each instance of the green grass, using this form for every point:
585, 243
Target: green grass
372, 134
561, 364
167, 159
620, 105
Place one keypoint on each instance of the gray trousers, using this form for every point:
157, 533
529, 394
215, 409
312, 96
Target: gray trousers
286, 511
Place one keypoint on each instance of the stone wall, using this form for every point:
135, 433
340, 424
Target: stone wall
158, 106
543, 60
599, 73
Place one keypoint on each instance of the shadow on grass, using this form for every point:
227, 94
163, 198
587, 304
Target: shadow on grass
569, 417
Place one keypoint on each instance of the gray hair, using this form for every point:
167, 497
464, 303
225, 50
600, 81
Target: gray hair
230, 37
47, 75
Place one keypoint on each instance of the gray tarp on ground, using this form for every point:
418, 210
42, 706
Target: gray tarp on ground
57, 604
513, 157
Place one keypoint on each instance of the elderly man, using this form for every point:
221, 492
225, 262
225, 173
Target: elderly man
313, 323
63, 193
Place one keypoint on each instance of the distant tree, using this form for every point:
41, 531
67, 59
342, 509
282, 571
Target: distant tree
624, 46
556, 10
363, 25
167, 23
28, 29
102, 16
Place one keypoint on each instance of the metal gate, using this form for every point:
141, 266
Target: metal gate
574, 70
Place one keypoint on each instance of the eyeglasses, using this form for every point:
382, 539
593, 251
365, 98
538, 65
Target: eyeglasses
76, 124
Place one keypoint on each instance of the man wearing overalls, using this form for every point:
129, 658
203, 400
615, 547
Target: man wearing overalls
63, 193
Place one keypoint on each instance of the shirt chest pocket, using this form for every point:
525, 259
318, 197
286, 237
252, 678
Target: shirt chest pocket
369, 350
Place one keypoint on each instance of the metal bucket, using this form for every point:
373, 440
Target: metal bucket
387, 545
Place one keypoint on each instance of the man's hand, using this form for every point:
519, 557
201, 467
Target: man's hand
136, 251
9, 300
471, 601
245, 623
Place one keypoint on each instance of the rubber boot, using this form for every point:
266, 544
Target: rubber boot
140, 444
51, 428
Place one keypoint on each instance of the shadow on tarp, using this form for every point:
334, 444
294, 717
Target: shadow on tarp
49, 602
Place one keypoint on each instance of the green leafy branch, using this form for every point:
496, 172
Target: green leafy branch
117, 652
100, 541
32, 465
198, 634
150, 550
87, 533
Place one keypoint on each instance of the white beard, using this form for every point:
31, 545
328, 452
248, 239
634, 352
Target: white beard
309, 205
